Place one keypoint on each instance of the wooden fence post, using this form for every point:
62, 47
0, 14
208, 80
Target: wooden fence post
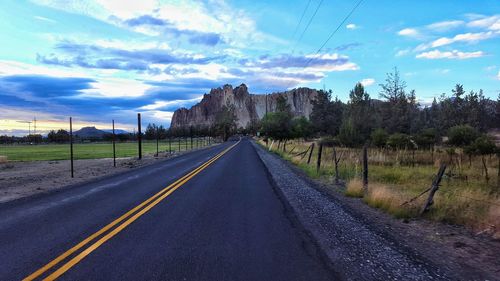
139, 135
336, 162
71, 145
365, 168
310, 154
318, 163
434, 188
114, 145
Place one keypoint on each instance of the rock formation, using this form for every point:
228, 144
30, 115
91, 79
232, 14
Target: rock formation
247, 106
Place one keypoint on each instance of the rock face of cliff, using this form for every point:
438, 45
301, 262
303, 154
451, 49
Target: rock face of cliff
247, 106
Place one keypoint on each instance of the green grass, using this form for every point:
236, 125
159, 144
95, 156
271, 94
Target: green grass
85, 150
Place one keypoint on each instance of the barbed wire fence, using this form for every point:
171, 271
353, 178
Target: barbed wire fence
74, 141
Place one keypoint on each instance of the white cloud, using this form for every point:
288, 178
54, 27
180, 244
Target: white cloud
44, 19
401, 53
367, 82
410, 32
209, 17
19, 68
465, 37
498, 75
351, 26
160, 104
436, 54
116, 88
445, 25
491, 23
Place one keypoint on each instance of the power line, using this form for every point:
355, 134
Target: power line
340, 25
331, 34
307, 26
301, 18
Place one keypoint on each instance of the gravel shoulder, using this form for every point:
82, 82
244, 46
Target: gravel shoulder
362, 243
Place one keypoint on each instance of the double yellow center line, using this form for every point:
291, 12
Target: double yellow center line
121, 223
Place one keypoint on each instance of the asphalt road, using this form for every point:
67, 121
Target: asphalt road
222, 221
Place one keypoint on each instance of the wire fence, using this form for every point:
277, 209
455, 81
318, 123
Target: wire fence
77, 141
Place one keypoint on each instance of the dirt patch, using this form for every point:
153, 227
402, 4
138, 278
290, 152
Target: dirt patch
21, 179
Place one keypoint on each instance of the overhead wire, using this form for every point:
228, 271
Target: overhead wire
331, 34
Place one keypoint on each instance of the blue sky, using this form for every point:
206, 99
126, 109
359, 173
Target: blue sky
108, 59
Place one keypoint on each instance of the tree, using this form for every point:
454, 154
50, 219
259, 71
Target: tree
60, 136
301, 127
225, 122
483, 145
462, 135
278, 124
395, 115
348, 135
379, 137
427, 138
399, 141
360, 113
151, 132
326, 116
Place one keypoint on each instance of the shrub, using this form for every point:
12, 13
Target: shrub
399, 141
379, 137
427, 137
462, 135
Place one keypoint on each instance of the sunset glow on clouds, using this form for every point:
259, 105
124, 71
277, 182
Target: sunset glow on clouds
102, 59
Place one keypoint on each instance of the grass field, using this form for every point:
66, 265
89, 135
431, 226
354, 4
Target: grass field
87, 150
465, 196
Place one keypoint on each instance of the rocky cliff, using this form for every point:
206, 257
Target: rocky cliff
247, 106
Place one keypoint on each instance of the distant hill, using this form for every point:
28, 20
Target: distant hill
90, 132
117, 131
94, 133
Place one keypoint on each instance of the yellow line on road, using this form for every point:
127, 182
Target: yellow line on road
158, 196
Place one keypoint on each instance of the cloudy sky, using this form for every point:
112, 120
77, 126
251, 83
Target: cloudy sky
109, 59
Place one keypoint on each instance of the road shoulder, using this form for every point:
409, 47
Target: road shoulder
21, 180
351, 243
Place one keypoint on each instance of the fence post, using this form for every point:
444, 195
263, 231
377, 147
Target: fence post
139, 135
114, 146
365, 168
318, 163
310, 154
71, 145
336, 162
157, 141
169, 144
434, 188
191, 136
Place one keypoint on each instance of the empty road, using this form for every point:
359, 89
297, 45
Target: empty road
211, 214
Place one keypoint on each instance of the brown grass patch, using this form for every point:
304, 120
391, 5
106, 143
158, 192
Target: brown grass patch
354, 188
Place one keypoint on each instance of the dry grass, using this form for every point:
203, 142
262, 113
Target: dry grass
493, 220
389, 199
465, 197
3, 159
354, 188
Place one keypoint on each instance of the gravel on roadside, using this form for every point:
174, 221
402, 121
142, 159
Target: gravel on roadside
354, 251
